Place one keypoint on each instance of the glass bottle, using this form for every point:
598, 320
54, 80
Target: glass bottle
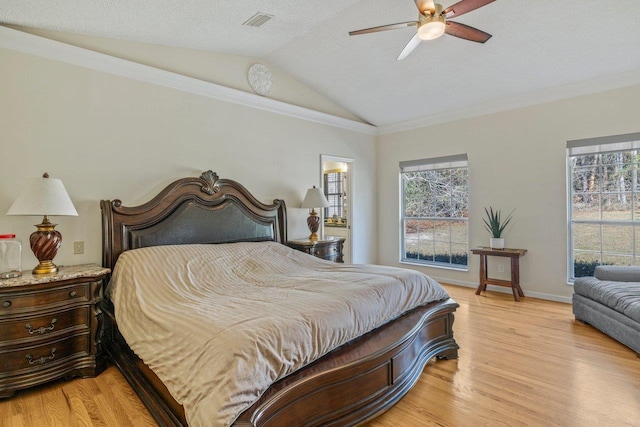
10, 256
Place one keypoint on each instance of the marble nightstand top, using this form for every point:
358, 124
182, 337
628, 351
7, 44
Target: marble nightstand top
66, 272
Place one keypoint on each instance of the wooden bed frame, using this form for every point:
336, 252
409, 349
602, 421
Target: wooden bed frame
348, 386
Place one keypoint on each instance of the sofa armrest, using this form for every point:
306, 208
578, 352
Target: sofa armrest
618, 273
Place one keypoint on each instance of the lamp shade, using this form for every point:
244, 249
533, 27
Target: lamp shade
315, 199
43, 196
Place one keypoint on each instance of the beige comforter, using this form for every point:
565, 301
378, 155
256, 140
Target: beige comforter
219, 324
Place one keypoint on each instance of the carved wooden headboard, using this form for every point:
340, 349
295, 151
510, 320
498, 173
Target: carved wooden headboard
191, 210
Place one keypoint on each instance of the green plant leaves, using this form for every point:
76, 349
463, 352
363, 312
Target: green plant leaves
493, 222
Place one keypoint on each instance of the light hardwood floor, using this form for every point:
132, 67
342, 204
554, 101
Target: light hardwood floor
525, 363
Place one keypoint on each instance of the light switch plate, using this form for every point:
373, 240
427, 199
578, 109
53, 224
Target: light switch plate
78, 248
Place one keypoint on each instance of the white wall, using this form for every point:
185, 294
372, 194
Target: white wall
517, 159
220, 68
111, 137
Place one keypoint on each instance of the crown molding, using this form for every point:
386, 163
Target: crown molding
586, 87
46, 48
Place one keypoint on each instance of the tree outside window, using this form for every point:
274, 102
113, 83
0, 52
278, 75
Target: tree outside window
435, 198
604, 204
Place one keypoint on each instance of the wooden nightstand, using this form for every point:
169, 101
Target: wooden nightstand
329, 248
50, 327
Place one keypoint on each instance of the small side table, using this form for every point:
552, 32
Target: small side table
514, 283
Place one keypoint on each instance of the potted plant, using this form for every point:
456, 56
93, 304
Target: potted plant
495, 226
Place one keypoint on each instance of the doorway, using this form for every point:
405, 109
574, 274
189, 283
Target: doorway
337, 184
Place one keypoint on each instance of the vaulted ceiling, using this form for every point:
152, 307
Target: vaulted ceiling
538, 46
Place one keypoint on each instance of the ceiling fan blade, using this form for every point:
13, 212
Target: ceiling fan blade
384, 28
466, 32
465, 6
413, 43
424, 5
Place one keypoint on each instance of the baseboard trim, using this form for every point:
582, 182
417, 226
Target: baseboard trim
491, 288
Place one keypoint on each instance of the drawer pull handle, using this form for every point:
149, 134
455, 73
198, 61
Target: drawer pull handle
73, 294
42, 359
42, 329
6, 304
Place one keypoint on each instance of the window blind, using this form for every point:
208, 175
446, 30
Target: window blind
626, 142
446, 162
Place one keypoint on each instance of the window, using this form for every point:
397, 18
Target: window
604, 203
334, 192
435, 199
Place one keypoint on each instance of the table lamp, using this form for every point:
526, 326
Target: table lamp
314, 199
44, 196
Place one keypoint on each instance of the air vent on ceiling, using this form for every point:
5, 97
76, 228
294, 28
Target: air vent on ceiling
257, 19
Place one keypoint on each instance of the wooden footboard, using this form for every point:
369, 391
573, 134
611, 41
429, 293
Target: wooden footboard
348, 386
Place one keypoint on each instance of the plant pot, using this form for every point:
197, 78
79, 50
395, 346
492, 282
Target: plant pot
496, 243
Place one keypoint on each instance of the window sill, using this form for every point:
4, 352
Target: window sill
440, 266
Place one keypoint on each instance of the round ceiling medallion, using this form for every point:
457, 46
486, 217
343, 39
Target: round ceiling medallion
260, 79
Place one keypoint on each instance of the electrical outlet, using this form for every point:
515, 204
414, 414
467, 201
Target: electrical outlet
500, 268
78, 248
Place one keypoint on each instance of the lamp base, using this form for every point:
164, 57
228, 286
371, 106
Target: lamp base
313, 222
45, 267
44, 244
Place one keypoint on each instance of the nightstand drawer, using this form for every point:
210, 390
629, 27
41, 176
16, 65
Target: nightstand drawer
326, 251
30, 301
335, 258
35, 357
34, 327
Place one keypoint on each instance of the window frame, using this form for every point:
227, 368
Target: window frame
339, 195
600, 146
455, 162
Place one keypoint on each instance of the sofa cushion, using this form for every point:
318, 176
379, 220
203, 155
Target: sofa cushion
623, 297
618, 273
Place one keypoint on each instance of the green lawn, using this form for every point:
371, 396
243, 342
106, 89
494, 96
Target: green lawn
430, 240
618, 241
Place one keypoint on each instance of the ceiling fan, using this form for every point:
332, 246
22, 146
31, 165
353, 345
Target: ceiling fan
433, 22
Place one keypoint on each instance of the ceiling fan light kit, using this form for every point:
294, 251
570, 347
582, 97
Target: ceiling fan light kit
433, 22
431, 28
